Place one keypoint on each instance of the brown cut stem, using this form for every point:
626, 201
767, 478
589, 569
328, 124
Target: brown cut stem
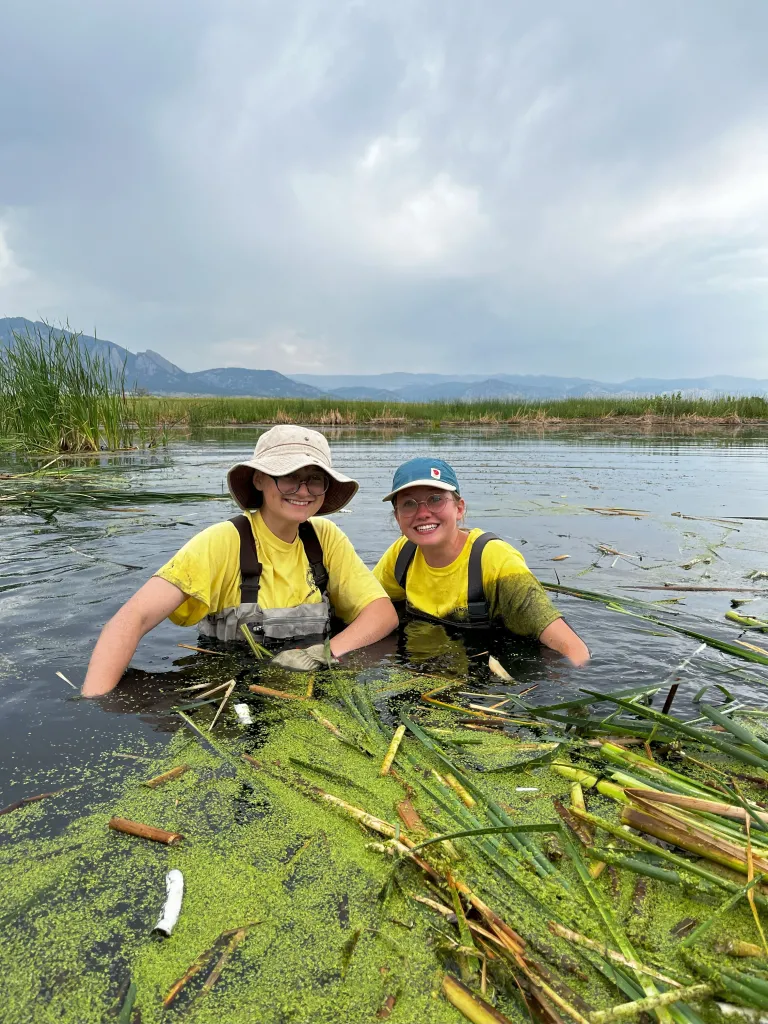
194, 968
693, 803
267, 691
221, 963
174, 773
30, 800
201, 650
136, 828
410, 817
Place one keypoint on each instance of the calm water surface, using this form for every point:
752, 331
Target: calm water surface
68, 560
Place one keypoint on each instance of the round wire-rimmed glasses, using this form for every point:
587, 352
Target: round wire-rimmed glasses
316, 483
433, 503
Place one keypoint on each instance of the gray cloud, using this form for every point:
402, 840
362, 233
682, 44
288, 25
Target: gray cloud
522, 187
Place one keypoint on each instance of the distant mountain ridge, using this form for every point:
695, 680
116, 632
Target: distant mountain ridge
157, 375
431, 387
154, 373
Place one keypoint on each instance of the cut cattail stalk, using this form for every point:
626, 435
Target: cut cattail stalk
598, 947
194, 968
69, 681
326, 724
625, 1011
201, 650
199, 962
136, 828
215, 689
221, 963
227, 695
310, 685
498, 670
574, 774
267, 691
174, 773
473, 1007
439, 908
466, 798
736, 947
30, 800
577, 796
672, 831
389, 757
577, 827
693, 803
174, 893
409, 817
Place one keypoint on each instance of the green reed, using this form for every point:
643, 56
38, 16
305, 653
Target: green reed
57, 397
195, 413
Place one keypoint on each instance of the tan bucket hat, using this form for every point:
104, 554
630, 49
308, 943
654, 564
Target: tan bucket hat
283, 450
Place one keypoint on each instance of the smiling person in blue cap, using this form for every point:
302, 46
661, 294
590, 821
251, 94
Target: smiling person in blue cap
465, 578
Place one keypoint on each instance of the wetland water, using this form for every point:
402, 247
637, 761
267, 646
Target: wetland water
70, 556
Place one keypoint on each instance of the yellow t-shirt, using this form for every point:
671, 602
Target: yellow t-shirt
207, 569
513, 593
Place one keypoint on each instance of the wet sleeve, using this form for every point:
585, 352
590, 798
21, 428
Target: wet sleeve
515, 595
207, 570
385, 571
351, 584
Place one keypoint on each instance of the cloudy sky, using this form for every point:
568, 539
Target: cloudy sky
368, 185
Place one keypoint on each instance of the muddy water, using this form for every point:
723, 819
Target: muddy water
76, 548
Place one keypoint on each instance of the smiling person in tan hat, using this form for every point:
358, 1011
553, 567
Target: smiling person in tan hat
275, 567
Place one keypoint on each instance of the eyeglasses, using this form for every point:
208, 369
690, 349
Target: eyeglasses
433, 503
317, 483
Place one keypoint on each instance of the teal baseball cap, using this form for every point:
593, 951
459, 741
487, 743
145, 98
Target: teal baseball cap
423, 473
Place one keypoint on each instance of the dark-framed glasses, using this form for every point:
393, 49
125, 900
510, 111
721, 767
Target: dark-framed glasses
409, 507
317, 483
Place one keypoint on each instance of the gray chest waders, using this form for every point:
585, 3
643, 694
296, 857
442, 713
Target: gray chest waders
478, 616
276, 623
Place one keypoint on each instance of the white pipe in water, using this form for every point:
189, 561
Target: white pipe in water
174, 891
243, 713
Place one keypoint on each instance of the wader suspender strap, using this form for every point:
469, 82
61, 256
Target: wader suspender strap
314, 553
477, 606
250, 566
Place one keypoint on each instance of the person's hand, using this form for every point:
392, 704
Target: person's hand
306, 659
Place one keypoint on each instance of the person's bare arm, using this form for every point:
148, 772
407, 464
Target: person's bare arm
375, 621
560, 637
120, 636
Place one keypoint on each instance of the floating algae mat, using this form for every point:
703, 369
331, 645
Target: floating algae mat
603, 860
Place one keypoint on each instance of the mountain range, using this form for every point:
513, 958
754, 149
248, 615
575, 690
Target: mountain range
151, 372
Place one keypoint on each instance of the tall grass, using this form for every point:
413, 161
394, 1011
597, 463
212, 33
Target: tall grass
195, 413
57, 397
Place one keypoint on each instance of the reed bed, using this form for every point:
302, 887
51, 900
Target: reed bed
196, 413
57, 397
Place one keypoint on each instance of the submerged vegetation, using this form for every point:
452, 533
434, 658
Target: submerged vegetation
584, 862
57, 397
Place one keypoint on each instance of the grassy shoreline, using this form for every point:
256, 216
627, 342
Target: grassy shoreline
170, 412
